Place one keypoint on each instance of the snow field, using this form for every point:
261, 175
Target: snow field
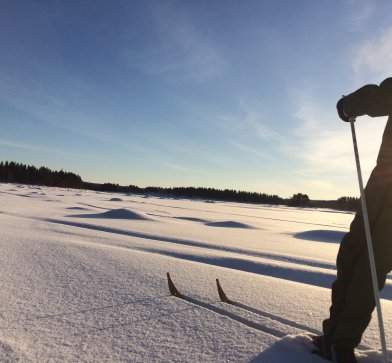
84, 278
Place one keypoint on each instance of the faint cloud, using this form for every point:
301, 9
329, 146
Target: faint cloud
249, 122
48, 150
177, 48
357, 12
168, 165
176, 167
250, 150
374, 56
55, 108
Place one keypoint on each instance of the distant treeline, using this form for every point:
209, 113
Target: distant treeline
192, 192
25, 174
228, 195
342, 203
11, 172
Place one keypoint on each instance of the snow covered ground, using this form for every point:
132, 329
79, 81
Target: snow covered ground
83, 279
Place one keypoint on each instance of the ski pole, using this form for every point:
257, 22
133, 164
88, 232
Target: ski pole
369, 245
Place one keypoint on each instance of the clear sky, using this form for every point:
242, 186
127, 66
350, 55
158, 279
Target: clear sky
214, 93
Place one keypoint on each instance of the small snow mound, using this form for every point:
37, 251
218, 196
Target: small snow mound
116, 200
114, 214
229, 224
122, 214
320, 235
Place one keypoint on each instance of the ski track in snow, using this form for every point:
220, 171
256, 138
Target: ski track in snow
91, 286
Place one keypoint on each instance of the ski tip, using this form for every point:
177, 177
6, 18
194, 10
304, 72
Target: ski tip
172, 288
222, 294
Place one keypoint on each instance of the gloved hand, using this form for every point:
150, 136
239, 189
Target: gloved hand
339, 107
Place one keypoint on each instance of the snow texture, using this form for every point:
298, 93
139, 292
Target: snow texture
83, 279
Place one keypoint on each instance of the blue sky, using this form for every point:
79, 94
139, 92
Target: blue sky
224, 94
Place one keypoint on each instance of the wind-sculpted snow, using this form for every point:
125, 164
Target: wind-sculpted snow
297, 269
113, 214
192, 219
229, 224
83, 280
222, 224
76, 208
191, 243
321, 236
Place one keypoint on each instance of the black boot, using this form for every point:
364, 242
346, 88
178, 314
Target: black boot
323, 346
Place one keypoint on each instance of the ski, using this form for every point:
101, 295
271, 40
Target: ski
310, 332
222, 294
223, 297
221, 311
172, 288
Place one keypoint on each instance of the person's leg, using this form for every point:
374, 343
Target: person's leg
353, 257
359, 304
351, 247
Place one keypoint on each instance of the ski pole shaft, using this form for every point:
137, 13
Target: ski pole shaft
370, 246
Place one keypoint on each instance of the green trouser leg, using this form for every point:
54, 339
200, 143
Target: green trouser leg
352, 291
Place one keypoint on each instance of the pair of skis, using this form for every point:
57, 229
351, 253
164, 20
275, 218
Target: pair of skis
312, 333
174, 291
229, 313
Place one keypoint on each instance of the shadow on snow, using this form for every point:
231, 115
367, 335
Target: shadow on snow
320, 235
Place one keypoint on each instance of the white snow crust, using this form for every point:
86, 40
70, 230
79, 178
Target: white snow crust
83, 279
